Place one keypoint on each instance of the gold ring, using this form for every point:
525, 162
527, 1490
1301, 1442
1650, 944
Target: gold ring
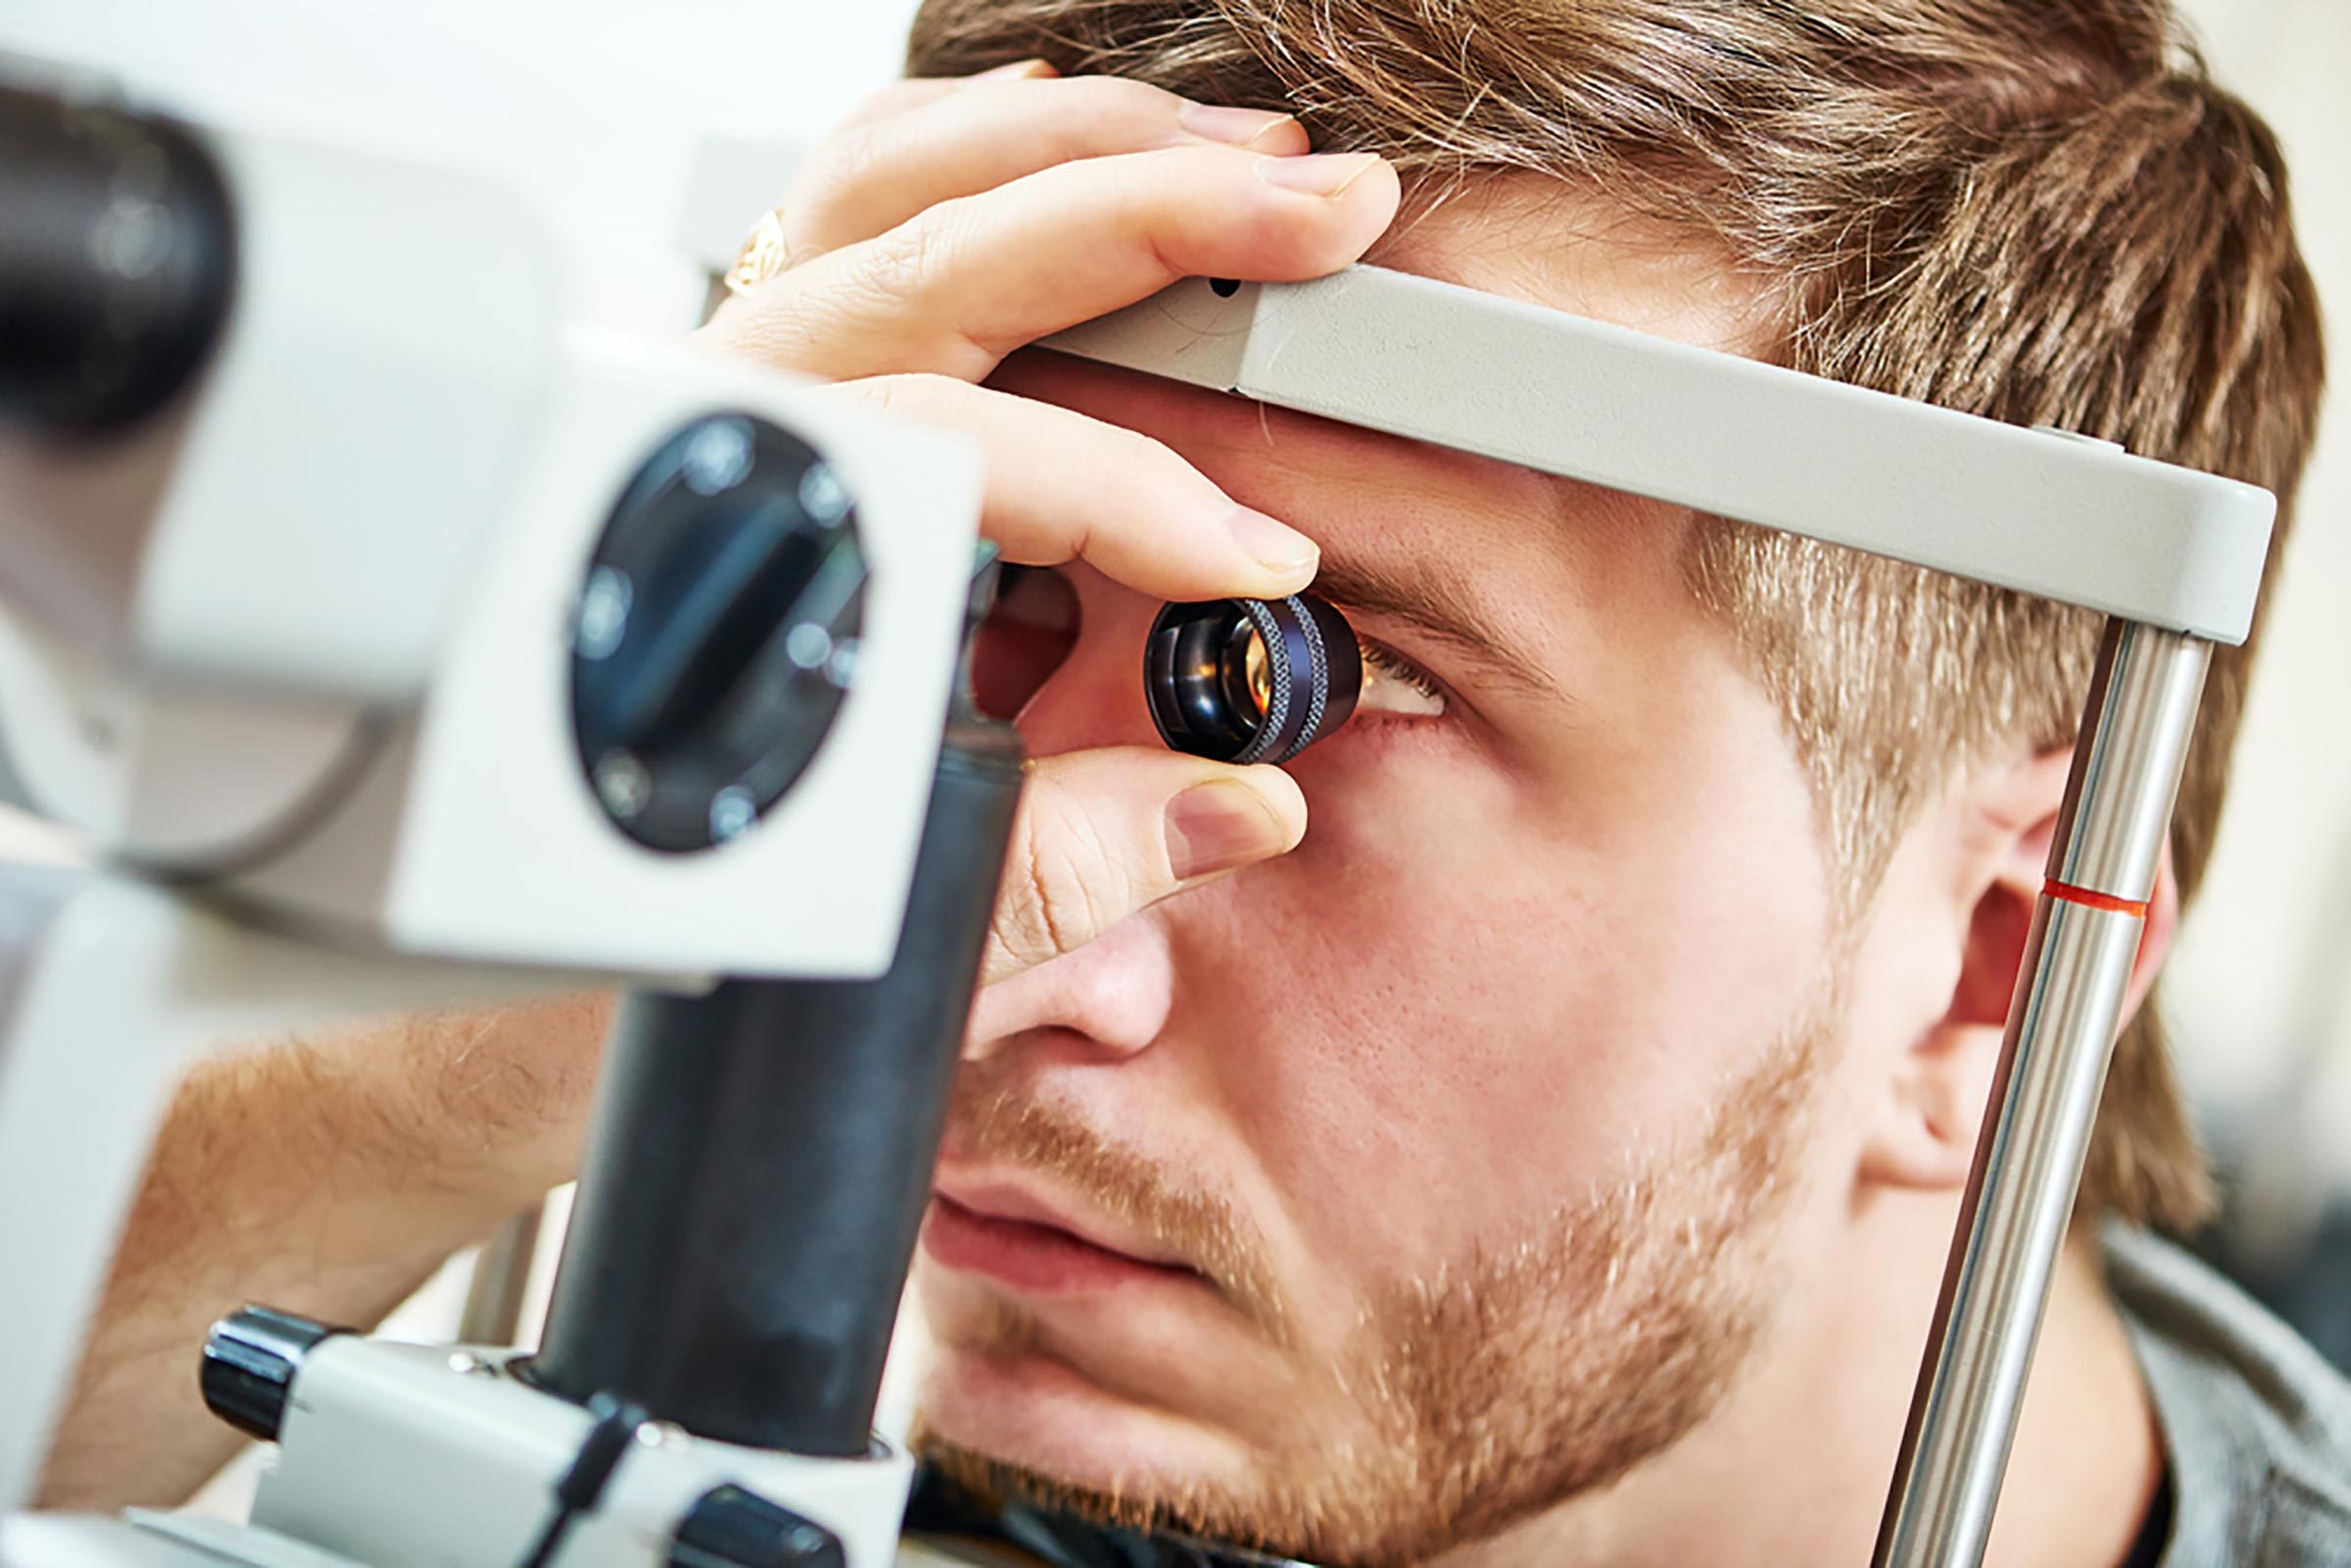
764, 253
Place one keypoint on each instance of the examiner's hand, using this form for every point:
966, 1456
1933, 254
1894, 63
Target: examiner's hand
952, 221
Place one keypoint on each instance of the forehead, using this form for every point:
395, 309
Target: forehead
1552, 245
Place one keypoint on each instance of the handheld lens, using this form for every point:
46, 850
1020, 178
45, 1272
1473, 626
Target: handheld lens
1243, 680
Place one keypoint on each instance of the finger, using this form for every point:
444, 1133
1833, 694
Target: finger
1101, 834
959, 286
1172, 533
873, 176
913, 92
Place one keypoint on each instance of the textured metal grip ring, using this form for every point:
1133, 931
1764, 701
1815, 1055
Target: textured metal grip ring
1250, 681
1279, 669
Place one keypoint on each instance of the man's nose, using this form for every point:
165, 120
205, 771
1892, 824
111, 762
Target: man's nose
1105, 1000
1095, 699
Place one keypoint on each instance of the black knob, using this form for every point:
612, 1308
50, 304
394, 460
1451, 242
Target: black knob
731, 1528
716, 631
117, 261
251, 1360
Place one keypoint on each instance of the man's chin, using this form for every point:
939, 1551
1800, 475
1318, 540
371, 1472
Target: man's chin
1022, 1411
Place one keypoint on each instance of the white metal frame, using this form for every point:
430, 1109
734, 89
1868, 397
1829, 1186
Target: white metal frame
2067, 518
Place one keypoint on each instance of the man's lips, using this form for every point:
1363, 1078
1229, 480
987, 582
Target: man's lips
1019, 1241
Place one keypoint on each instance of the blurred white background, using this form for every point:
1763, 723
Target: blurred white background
2260, 991
595, 110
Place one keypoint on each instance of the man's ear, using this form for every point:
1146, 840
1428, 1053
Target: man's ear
1934, 1110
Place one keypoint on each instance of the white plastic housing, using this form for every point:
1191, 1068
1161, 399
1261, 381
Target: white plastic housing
390, 1454
476, 833
306, 640
193, 618
394, 335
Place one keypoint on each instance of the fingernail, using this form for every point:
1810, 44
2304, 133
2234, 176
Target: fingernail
1217, 826
1013, 69
1274, 544
1317, 173
1219, 122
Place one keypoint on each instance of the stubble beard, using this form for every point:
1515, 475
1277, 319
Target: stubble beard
1496, 1388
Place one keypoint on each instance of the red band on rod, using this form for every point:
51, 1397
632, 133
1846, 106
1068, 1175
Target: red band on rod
2089, 900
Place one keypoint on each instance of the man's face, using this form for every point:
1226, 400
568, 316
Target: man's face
1443, 1168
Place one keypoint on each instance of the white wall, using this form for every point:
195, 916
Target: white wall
592, 106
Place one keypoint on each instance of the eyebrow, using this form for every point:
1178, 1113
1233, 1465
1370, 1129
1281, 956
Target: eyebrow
1435, 602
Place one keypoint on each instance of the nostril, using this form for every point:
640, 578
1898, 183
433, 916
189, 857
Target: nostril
1107, 1000
1024, 640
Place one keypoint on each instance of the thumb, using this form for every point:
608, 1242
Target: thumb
1103, 833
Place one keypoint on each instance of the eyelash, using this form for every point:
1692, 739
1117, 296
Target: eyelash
1394, 665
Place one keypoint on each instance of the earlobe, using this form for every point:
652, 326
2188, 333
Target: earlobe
1935, 1100
1933, 1110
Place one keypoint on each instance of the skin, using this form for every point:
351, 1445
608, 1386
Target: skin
1554, 974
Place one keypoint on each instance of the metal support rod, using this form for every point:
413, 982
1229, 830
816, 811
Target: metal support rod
2045, 1100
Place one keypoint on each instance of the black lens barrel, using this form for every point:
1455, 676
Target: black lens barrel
117, 261
1204, 701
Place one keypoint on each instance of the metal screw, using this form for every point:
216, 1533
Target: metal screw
731, 810
659, 1434
841, 668
808, 646
604, 613
823, 496
718, 458
623, 785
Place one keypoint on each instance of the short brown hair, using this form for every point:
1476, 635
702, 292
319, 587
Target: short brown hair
2039, 210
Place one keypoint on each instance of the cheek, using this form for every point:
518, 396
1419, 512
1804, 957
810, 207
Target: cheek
1467, 1001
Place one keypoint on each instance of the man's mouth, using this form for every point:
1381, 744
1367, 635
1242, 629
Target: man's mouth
1018, 1242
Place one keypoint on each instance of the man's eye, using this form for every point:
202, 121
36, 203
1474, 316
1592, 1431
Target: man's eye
1394, 683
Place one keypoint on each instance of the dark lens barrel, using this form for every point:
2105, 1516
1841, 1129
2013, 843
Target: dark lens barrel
118, 259
1250, 679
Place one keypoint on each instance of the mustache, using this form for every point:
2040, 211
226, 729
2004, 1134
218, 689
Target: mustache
1007, 1126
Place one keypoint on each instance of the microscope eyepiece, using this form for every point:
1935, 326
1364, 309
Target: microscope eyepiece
1250, 679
